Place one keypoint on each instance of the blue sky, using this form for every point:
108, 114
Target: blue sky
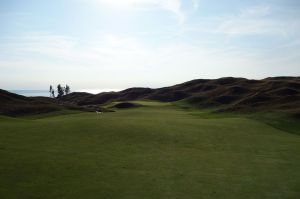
116, 44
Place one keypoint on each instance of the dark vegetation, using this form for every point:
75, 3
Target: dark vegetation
122, 105
225, 94
60, 91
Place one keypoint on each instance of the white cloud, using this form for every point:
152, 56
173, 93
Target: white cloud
173, 6
256, 11
46, 44
252, 21
195, 4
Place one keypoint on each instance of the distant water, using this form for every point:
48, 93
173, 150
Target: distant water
31, 93
45, 93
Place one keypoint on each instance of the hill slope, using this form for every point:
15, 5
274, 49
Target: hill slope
230, 94
16, 105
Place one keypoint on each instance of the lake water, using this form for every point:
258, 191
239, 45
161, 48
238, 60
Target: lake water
45, 93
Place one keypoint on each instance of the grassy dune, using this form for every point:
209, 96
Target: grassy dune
155, 151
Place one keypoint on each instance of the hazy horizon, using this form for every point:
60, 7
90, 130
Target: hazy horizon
96, 90
101, 44
46, 93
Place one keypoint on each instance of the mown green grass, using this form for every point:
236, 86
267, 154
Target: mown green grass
155, 151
